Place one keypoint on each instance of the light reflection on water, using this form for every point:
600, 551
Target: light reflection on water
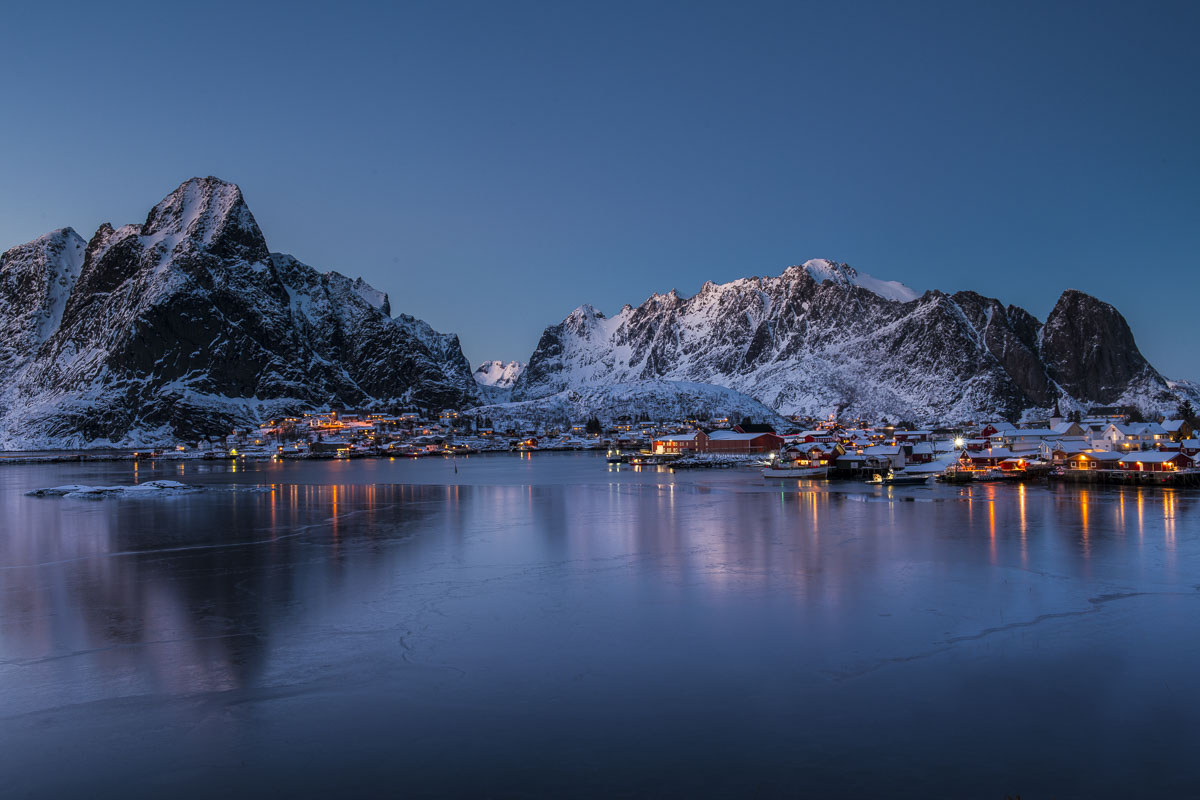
548, 600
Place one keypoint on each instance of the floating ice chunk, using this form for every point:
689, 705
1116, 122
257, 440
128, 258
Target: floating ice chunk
147, 489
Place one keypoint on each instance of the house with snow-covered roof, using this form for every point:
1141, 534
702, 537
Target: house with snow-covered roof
1059, 451
1118, 436
1108, 413
1177, 429
889, 455
1024, 440
1073, 443
919, 452
998, 427
1156, 461
985, 459
736, 442
1069, 429
1093, 459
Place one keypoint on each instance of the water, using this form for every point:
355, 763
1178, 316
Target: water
549, 626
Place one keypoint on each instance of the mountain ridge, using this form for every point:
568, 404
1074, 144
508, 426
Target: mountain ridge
187, 324
818, 339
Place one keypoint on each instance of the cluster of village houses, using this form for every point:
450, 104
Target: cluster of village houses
1098, 442
1103, 440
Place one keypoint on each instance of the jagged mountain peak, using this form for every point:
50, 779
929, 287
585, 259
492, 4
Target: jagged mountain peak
60, 237
586, 320
1074, 298
49, 247
585, 312
823, 270
209, 214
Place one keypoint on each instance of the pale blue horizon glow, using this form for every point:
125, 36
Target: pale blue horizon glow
492, 166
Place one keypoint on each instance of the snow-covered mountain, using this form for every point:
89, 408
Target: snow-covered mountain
655, 399
496, 379
822, 338
502, 374
187, 325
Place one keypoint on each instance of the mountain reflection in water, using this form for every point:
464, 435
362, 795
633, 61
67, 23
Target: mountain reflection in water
552, 626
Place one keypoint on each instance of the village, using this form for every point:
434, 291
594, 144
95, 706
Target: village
1103, 446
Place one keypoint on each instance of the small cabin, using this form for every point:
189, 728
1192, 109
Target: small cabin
1101, 459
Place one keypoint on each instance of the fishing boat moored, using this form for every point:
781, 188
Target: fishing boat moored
785, 470
812, 462
891, 478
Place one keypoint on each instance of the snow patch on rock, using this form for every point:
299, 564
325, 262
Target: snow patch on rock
502, 374
656, 399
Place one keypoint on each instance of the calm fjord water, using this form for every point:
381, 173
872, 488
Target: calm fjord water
551, 626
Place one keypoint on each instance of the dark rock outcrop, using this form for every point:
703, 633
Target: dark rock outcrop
1089, 351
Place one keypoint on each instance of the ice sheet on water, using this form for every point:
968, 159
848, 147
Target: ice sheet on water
147, 489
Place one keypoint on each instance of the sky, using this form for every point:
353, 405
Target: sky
494, 165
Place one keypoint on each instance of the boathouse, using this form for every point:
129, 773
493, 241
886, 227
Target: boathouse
734, 442
1159, 461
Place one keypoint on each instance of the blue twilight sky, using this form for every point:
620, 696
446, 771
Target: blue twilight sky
493, 165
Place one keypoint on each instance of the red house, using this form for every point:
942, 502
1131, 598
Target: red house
734, 442
1156, 462
722, 441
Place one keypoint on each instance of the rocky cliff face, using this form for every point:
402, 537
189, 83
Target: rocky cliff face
821, 338
1089, 351
187, 325
652, 399
35, 282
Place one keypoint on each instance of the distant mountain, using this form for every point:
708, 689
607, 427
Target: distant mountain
496, 379
823, 338
501, 374
654, 399
186, 325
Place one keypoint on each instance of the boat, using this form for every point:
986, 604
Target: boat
891, 478
957, 475
793, 463
787, 471
256, 454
